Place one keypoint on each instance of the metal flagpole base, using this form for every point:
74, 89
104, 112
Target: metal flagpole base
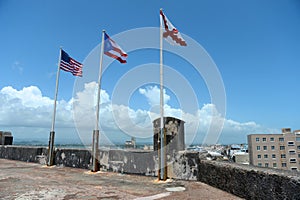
159, 155
95, 151
51, 149
163, 156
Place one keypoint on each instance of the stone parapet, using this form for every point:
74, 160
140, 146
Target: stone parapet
250, 182
245, 181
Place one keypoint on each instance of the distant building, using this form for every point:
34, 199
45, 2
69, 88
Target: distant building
241, 158
233, 149
280, 151
130, 144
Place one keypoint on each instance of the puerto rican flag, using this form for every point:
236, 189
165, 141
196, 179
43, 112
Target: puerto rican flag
113, 50
171, 34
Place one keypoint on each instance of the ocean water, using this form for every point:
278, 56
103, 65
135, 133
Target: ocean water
77, 145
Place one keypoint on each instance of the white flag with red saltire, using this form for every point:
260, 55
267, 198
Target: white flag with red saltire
170, 33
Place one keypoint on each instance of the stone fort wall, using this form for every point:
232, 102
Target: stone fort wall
248, 182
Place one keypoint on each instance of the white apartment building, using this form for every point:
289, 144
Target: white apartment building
280, 151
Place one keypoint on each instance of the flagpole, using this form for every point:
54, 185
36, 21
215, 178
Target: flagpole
99, 82
52, 132
162, 148
95, 160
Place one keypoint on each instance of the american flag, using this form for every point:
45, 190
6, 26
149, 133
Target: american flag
68, 64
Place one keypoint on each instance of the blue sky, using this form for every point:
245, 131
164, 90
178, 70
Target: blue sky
254, 44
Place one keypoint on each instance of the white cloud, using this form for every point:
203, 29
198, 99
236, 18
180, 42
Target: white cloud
88, 97
152, 93
84, 105
29, 96
29, 108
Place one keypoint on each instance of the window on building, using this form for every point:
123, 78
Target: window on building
273, 156
293, 160
281, 139
264, 139
266, 164
271, 139
298, 147
298, 155
259, 156
283, 164
291, 143
298, 139
258, 148
274, 164
266, 156
282, 147
294, 168
283, 156
265, 148
292, 152
257, 139
259, 164
272, 147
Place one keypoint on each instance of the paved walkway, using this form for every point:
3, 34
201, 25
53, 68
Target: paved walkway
20, 180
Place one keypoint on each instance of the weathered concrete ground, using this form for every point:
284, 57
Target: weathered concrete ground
20, 180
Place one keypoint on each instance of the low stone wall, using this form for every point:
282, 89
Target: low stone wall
185, 166
24, 153
244, 181
130, 161
77, 158
250, 182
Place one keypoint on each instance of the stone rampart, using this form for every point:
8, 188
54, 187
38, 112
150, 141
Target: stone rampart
77, 158
250, 182
244, 181
24, 153
131, 161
